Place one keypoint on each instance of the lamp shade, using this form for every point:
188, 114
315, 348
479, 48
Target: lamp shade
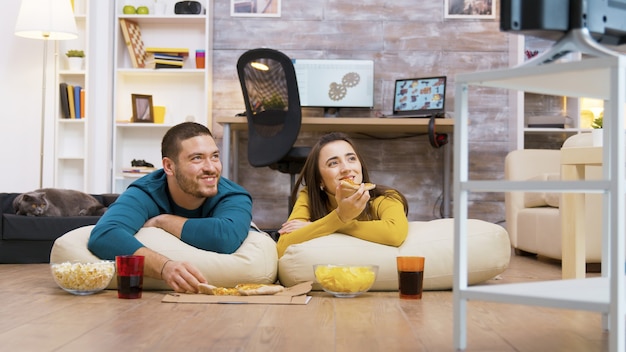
46, 19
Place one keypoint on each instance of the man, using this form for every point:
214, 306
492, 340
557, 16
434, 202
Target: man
187, 198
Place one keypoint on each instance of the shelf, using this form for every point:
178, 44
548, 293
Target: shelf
141, 125
71, 142
137, 72
184, 92
590, 294
599, 78
169, 19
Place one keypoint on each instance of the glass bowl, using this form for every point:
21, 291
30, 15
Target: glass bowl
83, 278
345, 280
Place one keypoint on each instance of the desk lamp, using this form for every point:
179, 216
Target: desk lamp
45, 20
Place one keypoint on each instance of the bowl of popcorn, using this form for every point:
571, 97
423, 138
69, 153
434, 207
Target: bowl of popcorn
83, 278
345, 280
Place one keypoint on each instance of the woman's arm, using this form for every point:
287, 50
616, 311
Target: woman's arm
391, 229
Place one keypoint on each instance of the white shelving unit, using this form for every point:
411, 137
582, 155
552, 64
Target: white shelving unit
71, 143
569, 106
185, 93
599, 78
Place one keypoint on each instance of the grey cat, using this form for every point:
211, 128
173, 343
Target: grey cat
57, 202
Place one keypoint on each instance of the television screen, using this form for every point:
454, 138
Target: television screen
335, 83
551, 19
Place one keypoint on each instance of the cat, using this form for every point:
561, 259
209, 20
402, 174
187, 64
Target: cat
57, 202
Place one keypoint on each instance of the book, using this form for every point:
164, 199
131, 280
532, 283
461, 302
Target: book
77, 107
132, 37
65, 107
172, 51
70, 100
82, 103
161, 56
158, 63
158, 66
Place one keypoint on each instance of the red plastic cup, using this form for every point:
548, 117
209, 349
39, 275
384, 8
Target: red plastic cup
129, 276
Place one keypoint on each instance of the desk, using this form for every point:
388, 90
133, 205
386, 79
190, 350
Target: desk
573, 162
233, 125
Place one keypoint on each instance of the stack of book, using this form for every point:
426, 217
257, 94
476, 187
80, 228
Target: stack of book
165, 57
72, 101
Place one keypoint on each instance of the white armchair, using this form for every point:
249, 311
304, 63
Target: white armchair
533, 219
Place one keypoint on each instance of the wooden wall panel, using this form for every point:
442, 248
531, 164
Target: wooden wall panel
404, 41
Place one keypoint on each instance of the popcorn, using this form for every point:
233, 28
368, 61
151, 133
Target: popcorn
83, 276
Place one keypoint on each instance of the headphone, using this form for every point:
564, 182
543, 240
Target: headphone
437, 140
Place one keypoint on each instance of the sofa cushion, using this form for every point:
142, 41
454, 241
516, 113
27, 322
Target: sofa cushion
489, 251
41, 228
254, 262
543, 199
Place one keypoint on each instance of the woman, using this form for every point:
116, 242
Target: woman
324, 206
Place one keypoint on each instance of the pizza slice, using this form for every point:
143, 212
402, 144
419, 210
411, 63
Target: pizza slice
347, 182
240, 290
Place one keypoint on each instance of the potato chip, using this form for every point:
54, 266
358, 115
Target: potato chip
345, 279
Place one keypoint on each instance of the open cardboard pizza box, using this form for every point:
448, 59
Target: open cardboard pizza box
296, 294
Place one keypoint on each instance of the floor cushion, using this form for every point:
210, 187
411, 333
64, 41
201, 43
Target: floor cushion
254, 262
489, 251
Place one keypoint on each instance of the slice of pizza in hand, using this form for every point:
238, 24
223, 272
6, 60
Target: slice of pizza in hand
347, 182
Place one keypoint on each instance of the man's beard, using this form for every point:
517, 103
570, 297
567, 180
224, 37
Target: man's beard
190, 186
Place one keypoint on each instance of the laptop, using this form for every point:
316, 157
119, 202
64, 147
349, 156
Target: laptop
419, 97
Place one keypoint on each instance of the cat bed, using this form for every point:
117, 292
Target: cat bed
489, 252
254, 262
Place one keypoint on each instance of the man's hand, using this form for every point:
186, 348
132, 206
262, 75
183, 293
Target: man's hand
172, 224
182, 276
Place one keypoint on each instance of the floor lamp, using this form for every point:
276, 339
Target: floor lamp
46, 20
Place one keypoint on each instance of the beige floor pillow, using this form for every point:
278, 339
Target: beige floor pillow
489, 251
254, 262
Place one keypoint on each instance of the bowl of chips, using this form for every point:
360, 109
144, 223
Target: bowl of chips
83, 278
345, 280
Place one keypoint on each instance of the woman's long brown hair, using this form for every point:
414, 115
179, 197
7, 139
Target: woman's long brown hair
311, 178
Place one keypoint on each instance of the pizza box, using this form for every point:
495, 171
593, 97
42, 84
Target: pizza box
296, 294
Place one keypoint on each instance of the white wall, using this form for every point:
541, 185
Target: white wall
21, 66
20, 98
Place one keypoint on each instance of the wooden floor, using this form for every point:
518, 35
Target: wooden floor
38, 316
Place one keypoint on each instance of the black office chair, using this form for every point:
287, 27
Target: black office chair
270, 92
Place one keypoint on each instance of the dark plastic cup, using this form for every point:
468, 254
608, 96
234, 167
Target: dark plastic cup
410, 277
129, 276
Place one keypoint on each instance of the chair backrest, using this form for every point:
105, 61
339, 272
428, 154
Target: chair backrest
270, 91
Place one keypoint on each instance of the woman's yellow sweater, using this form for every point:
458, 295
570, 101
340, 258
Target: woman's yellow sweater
391, 229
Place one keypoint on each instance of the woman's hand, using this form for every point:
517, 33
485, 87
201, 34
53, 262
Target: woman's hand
292, 225
350, 203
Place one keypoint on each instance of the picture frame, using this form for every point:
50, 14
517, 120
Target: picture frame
255, 8
469, 9
143, 110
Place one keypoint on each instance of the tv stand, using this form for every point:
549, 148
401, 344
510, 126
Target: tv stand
575, 40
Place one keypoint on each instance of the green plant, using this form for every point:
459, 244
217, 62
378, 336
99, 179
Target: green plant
75, 53
274, 103
597, 122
